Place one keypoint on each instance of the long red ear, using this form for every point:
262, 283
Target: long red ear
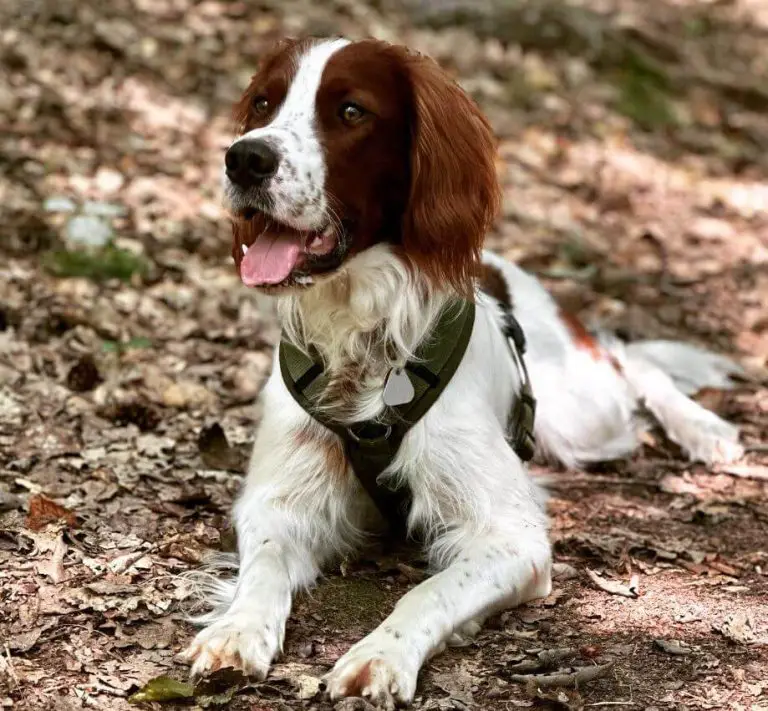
455, 194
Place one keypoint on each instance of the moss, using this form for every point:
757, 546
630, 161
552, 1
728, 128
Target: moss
358, 603
645, 95
109, 262
136, 342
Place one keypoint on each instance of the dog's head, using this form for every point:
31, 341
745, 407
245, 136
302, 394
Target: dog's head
345, 145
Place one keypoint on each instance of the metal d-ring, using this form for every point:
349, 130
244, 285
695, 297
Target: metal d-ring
358, 439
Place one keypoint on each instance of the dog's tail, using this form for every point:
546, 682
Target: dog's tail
662, 375
691, 368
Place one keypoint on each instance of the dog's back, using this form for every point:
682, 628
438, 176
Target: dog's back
594, 391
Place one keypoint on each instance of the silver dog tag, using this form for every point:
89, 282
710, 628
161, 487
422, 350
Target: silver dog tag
398, 389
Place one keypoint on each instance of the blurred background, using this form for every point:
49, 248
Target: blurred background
633, 139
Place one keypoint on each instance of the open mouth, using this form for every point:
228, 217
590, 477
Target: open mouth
274, 254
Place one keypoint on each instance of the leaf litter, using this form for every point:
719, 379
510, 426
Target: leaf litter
128, 368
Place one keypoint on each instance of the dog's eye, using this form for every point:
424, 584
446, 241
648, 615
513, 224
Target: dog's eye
260, 105
351, 114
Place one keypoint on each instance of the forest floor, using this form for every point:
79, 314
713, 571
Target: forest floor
634, 158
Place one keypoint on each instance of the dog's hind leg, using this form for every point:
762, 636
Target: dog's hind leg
659, 372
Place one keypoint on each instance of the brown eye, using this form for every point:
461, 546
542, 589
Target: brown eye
260, 106
351, 114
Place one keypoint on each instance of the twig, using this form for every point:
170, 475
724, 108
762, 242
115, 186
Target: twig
569, 480
756, 448
6, 665
564, 679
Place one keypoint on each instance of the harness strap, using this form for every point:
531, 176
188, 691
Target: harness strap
371, 446
520, 425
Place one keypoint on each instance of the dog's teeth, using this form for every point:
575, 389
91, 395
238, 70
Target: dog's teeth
245, 249
317, 241
327, 231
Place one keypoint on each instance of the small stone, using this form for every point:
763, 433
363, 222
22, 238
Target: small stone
59, 203
87, 231
186, 394
103, 209
108, 180
306, 650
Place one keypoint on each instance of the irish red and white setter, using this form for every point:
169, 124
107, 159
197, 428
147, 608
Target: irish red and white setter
361, 186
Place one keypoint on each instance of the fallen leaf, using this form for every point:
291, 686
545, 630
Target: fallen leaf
218, 688
163, 688
24, 641
54, 566
613, 586
672, 646
564, 571
746, 471
10, 502
43, 511
215, 450
738, 627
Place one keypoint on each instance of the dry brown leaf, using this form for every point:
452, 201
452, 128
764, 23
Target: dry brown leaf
614, 587
43, 511
739, 626
672, 646
54, 566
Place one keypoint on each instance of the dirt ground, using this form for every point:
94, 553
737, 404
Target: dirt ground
633, 151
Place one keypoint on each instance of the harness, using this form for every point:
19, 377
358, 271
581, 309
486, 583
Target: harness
372, 445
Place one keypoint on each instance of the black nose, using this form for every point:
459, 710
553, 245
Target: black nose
250, 162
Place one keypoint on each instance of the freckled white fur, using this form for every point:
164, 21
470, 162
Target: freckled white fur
481, 515
297, 187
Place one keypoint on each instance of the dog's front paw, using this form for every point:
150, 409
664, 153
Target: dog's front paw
242, 641
377, 670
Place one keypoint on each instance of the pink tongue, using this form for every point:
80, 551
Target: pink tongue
270, 259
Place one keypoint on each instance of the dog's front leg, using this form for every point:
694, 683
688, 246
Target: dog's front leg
299, 507
248, 634
490, 572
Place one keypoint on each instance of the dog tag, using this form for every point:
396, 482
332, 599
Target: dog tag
398, 389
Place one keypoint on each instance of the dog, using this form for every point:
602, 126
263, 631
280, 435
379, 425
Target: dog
361, 186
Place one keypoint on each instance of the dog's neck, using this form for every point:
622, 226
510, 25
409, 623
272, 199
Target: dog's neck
364, 321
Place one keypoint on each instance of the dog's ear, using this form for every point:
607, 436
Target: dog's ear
455, 195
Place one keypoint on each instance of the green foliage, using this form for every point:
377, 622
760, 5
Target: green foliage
217, 689
163, 688
645, 94
109, 262
116, 347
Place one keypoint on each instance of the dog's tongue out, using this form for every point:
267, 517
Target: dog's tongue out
271, 258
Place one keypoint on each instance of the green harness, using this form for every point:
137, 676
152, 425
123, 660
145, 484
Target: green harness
371, 446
